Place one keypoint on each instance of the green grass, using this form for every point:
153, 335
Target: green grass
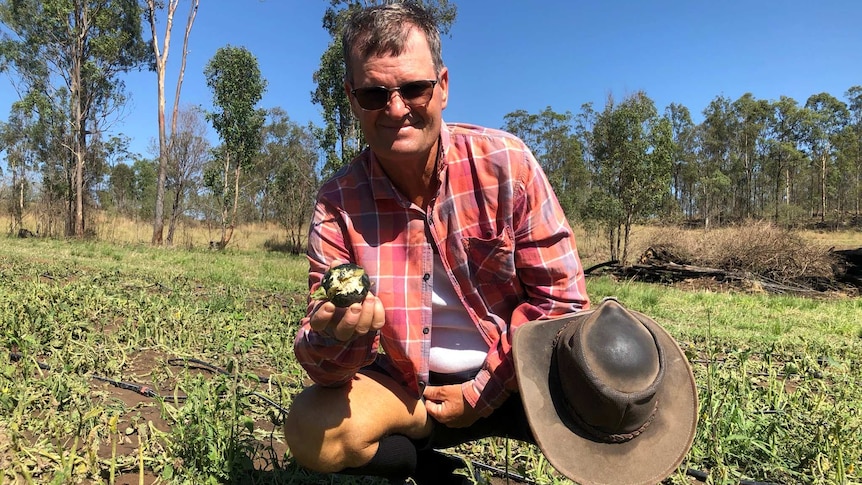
779, 377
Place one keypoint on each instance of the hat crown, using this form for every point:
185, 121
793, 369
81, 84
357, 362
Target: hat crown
610, 368
620, 350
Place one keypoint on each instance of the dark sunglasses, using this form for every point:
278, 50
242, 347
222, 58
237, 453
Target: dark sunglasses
414, 93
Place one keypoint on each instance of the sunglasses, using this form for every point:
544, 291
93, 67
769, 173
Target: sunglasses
414, 93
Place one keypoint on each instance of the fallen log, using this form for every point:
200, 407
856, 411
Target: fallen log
657, 265
673, 273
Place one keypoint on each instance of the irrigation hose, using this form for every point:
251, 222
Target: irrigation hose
149, 392
703, 476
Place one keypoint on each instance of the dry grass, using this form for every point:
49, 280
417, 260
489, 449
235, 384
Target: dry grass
189, 234
758, 247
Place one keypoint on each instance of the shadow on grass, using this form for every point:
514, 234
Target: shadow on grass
288, 247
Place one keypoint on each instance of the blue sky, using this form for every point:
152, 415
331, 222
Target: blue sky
506, 55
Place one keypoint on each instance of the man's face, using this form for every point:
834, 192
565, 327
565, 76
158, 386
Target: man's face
400, 133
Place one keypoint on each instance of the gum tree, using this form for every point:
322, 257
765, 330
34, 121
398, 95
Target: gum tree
633, 146
74, 52
552, 139
826, 116
237, 85
161, 56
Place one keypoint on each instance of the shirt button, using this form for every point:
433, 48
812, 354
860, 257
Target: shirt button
426, 277
426, 330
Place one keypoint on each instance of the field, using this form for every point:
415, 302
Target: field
128, 364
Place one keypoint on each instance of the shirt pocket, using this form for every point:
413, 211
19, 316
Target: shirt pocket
491, 260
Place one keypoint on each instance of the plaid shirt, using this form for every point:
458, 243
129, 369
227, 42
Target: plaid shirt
500, 232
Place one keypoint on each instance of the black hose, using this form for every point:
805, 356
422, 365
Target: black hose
148, 391
200, 364
703, 476
502, 473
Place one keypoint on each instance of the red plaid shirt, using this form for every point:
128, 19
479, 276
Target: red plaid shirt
500, 232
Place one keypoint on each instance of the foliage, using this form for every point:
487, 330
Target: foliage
555, 145
188, 152
633, 149
287, 167
68, 56
161, 59
235, 79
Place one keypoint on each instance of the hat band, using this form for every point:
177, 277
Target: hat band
610, 437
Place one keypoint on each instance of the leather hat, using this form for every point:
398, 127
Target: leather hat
608, 393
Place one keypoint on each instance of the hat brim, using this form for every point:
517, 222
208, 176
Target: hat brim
648, 458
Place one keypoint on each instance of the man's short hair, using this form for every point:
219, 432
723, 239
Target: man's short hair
383, 29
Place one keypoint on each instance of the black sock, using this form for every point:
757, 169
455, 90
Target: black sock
395, 459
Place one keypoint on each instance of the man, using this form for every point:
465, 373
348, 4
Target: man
464, 241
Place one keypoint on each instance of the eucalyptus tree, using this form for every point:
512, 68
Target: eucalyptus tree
121, 191
56, 197
785, 158
853, 146
633, 146
717, 132
237, 85
826, 116
189, 150
684, 172
80, 47
584, 123
17, 137
340, 138
749, 150
286, 175
37, 138
161, 56
554, 143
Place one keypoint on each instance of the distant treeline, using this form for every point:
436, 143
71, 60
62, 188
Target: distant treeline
749, 159
612, 167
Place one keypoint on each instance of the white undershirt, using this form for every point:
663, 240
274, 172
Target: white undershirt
456, 344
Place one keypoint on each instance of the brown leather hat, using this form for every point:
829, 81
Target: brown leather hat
609, 395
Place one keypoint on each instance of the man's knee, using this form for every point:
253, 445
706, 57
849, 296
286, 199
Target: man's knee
311, 435
328, 429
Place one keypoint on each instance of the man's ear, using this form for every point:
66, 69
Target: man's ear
347, 89
444, 87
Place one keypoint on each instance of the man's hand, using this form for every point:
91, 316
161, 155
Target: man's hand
447, 405
347, 323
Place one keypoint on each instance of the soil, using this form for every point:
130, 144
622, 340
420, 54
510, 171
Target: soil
144, 409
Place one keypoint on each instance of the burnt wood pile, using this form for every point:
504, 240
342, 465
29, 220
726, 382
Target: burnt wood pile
658, 265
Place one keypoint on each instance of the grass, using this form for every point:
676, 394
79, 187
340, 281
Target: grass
778, 376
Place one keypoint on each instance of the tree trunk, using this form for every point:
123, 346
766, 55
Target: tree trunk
17, 215
161, 65
161, 62
224, 204
237, 172
175, 214
626, 237
158, 219
79, 131
823, 159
